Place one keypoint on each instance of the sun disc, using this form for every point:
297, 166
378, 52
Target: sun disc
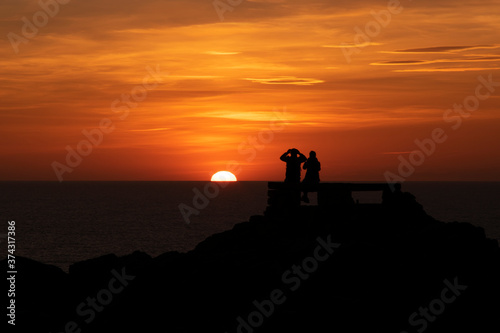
223, 176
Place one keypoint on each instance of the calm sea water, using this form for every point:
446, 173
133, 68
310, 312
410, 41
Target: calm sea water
63, 223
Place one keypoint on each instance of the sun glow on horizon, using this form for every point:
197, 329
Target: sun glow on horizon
223, 176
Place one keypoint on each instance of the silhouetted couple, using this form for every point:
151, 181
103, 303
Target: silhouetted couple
294, 158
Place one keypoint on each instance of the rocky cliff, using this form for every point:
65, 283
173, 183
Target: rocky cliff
380, 269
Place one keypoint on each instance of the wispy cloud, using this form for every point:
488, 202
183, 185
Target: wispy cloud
426, 62
250, 116
455, 69
287, 80
444, 49
152, 129
351, 45
459, 57
220, 53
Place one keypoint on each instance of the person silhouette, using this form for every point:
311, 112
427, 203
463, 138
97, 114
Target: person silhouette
312, 167
293, 158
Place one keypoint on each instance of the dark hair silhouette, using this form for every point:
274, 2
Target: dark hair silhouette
293, 158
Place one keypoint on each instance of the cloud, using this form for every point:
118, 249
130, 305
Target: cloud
287, 80
195, 77
426, 62
220, 53
462, 60
351, 45
247, 116
444, 49
401, 62
456, 69
152, 129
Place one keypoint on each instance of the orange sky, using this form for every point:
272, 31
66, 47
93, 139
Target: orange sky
275, 68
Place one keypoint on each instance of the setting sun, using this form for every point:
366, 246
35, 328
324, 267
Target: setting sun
223, 176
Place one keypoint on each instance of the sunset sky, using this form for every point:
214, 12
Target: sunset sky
290, 74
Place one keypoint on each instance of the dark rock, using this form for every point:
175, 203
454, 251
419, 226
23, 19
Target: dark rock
41, 294
388, 265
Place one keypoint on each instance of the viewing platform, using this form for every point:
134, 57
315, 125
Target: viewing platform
286, 197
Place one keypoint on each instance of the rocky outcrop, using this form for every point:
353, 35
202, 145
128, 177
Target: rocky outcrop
379, 270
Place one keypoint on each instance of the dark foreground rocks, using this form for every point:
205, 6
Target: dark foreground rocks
375, 270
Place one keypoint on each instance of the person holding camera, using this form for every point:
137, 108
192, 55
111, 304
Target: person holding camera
293, 158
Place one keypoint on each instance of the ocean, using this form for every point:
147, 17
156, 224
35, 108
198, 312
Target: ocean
62, 223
